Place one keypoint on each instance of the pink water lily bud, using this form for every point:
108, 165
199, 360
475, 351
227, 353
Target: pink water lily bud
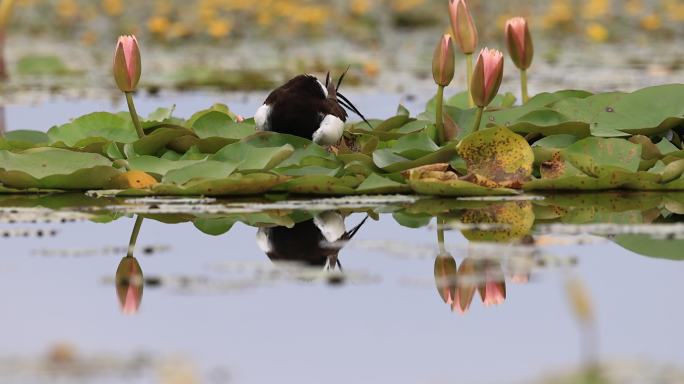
463, 26
444, 61
519, 42
127, 64
487, 77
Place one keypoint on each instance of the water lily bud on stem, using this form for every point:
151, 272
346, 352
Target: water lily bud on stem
127, 70
443, 63
463, 25
486, 80
520, 48
465, 33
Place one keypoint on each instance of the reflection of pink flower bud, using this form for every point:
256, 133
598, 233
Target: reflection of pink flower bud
445, 277
127, 63
467, 275
487, 77
443, 61
463, 25
519, 42
129, 285
493, 288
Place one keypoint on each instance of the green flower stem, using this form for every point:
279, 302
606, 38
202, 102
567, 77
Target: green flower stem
523, 83
134, 115
134, 236
478, 119
469, 76
439, 119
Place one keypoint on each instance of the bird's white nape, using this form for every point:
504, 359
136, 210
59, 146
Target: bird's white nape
330, 131
325, 90
261, 117
331, 225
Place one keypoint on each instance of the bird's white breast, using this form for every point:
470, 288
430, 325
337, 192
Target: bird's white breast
330, 131
261, 117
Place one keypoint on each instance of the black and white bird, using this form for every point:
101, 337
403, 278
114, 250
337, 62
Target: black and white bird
315, 242
306, 107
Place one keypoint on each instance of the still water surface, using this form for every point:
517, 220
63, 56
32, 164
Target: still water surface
215, 308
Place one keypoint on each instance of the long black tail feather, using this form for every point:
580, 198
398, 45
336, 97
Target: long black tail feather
348, 104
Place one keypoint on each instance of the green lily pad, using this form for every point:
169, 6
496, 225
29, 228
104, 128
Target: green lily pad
321, 185
251, 158
376, 184
455, 188
498, 155
597, 156
206, 170
56, 169
108, 126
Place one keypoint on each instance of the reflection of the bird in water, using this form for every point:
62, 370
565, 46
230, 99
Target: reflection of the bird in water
315, 242
129, 277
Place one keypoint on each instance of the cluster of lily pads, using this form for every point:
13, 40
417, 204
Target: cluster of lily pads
580, 141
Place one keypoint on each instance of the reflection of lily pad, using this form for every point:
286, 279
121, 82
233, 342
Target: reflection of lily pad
508, 220
646, 245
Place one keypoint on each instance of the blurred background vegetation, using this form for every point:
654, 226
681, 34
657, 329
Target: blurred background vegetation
252, 45
224, 21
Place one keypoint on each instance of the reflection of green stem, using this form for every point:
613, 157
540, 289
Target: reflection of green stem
134, 115
134, 236
478, 119
440, 235
523, 83
439, 120
469, 76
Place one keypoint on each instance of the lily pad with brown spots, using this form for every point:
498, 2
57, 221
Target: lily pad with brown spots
499, 155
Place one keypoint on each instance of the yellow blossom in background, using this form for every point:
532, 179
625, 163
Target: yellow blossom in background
179, 31
314, 16
651, 22
371, 68
406, 5
89, 38
596, 32
67, 9
674, 9
207, 11
162, 7
595, 9
634, 7
560, 12
219, 28
113, 7
158, 25
360, 7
